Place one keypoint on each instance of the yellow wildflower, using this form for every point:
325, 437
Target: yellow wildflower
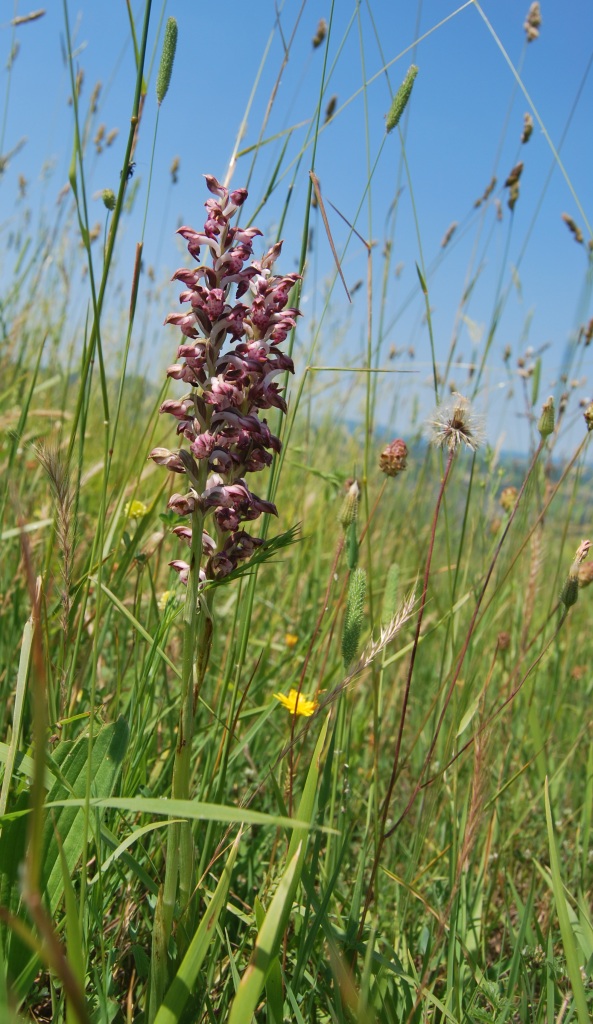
291, 639
166, 596
135, 509
297, 703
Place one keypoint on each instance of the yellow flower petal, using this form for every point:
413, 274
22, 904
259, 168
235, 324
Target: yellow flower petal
297, 703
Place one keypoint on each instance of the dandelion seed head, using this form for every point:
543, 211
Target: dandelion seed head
454, 423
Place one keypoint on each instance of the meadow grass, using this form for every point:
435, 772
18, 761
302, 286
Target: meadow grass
177, 845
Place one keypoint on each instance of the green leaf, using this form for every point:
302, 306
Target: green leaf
63, 831
272, 928
192, 810
267, 945
306, 808
68, 824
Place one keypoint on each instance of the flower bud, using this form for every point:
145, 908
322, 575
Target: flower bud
588, 414
546, 420
570, 590
349, 511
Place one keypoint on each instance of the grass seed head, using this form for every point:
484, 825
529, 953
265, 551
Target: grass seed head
401, 98
167, 58
320, 33
573, 228
527, 128
533, 22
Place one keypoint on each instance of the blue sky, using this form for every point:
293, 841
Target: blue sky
462, 127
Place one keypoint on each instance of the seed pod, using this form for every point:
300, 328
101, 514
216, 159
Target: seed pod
167, 57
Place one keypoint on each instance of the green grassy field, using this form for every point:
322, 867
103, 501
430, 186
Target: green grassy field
344, 775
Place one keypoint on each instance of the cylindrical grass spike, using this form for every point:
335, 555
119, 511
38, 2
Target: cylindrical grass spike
351, 547
353, 618
167, 57
390, 595
400, 100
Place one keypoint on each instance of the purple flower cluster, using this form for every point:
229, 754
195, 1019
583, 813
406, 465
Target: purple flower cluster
240, 302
